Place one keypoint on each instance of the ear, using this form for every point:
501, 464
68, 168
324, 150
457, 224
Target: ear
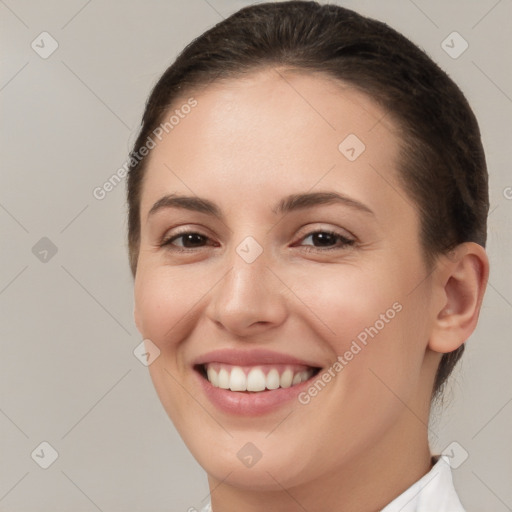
462, 279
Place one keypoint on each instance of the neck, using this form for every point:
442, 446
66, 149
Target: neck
365, 484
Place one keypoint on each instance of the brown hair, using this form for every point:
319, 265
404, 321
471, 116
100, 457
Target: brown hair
442, 166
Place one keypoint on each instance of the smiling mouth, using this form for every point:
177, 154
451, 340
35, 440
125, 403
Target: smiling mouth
255, 378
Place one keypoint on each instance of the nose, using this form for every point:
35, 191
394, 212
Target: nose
249, 299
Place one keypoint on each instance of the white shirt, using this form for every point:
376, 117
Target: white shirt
433, 492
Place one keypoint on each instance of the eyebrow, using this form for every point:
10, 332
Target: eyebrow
288, 204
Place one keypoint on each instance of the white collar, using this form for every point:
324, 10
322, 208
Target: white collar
432, 492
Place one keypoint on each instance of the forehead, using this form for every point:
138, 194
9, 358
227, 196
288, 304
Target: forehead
275, 132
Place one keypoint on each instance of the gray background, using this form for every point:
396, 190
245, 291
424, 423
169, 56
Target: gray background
68, 373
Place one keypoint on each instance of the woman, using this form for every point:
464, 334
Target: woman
307, 221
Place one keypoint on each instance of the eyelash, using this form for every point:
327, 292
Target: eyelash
346, 242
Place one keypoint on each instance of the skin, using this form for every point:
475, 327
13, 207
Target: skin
249, 143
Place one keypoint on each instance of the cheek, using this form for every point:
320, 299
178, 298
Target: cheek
165, 301
371, 323
344, 301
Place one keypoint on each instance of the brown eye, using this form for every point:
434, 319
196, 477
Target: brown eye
326, 239
190, 240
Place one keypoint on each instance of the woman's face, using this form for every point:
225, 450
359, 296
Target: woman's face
278, 286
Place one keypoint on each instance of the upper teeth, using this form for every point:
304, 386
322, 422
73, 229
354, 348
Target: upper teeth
236, 379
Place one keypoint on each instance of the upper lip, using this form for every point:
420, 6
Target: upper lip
251, 357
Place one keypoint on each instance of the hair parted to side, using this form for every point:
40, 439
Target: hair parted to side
442, 166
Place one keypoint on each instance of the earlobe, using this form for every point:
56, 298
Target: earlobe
463, 280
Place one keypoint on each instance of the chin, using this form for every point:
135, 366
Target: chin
242, 464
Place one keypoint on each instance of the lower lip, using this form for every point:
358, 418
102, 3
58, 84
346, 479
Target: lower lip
243, 403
